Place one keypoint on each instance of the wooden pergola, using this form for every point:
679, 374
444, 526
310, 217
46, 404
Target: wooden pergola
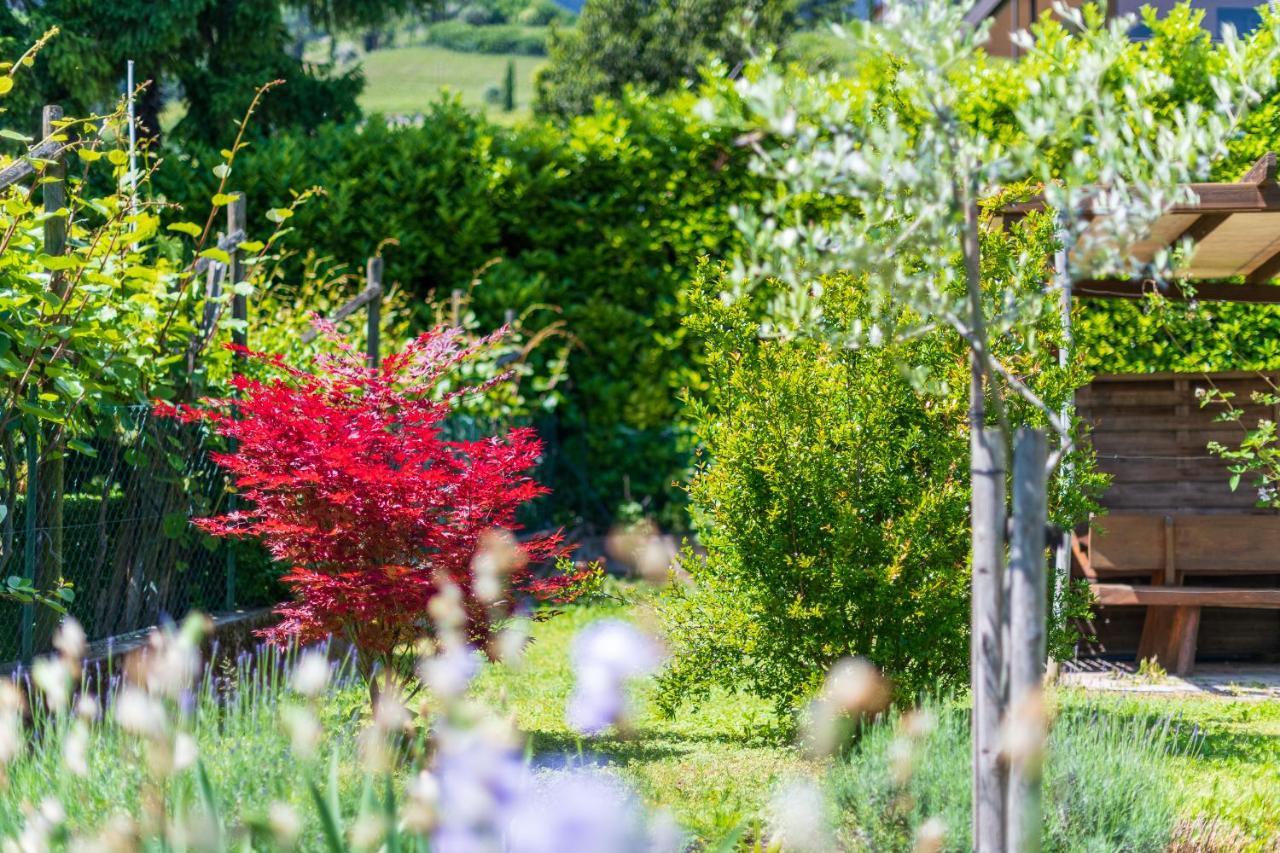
1236, 231
1177, 538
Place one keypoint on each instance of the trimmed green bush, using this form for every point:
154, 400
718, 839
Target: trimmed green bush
832, 501
604, 219
490, 38
832, 496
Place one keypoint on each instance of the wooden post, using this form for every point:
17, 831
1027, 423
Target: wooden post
1026, 649
373, 281
235, 270
27, 641
52, 476
455, 308
987, 509
236, 221
988, 517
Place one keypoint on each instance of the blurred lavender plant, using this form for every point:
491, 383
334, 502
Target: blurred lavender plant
606, 656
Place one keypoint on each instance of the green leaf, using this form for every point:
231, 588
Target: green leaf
328, 820
221, 170
189, 228
242, 288
88, 155
40, 412
219, 255
222, 199
175, 524
252, 246
15, 135
1235, 481
118, 157
57, 262
80, 447
6, 84
279, 214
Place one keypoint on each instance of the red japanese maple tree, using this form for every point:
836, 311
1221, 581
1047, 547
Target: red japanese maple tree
350, 483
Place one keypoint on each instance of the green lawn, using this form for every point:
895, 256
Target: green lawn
1231, 774
404, 80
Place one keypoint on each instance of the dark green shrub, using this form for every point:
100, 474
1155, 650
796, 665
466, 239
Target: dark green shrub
1107, 786
654, 46
604, 219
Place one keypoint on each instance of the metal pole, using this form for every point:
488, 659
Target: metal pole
1062, 548
1026, 648
373, 279
240, 335
133, 141
29, 534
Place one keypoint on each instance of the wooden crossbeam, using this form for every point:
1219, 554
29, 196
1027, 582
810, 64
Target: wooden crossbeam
19, 169
1126, 595
357, 302
1256, 192
1204, 291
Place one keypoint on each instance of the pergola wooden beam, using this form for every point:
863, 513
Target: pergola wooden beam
1235, 231
1258, 191
1204, 291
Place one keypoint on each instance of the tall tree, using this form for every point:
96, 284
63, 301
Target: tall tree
213, 53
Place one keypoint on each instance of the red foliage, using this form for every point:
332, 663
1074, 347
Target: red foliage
351, 485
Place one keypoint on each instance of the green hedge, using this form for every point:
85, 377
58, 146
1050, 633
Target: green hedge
604, 218
493, 38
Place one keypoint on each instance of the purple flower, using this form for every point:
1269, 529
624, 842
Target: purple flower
581, 812
606, 655
450, 672
481, 776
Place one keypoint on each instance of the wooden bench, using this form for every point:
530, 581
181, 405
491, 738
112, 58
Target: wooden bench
1165, 549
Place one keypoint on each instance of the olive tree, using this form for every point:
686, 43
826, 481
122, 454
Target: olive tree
885, 178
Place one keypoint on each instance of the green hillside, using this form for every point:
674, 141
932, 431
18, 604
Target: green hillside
404, 80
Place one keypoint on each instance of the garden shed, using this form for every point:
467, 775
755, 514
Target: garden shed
1182, 564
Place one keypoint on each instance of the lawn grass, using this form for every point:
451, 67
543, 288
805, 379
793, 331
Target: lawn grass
1231, 779
405, 80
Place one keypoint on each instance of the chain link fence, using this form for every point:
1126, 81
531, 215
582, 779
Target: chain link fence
112, 518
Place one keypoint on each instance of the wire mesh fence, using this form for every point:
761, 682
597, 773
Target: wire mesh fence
112, 518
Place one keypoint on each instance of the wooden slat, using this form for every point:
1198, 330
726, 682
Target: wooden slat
1225, 545
1126, 544
1127, 595
22, 168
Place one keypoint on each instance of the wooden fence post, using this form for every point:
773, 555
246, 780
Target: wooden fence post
373, 282
1026, 649
236, 221
29, 550
52, 476
987, 474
